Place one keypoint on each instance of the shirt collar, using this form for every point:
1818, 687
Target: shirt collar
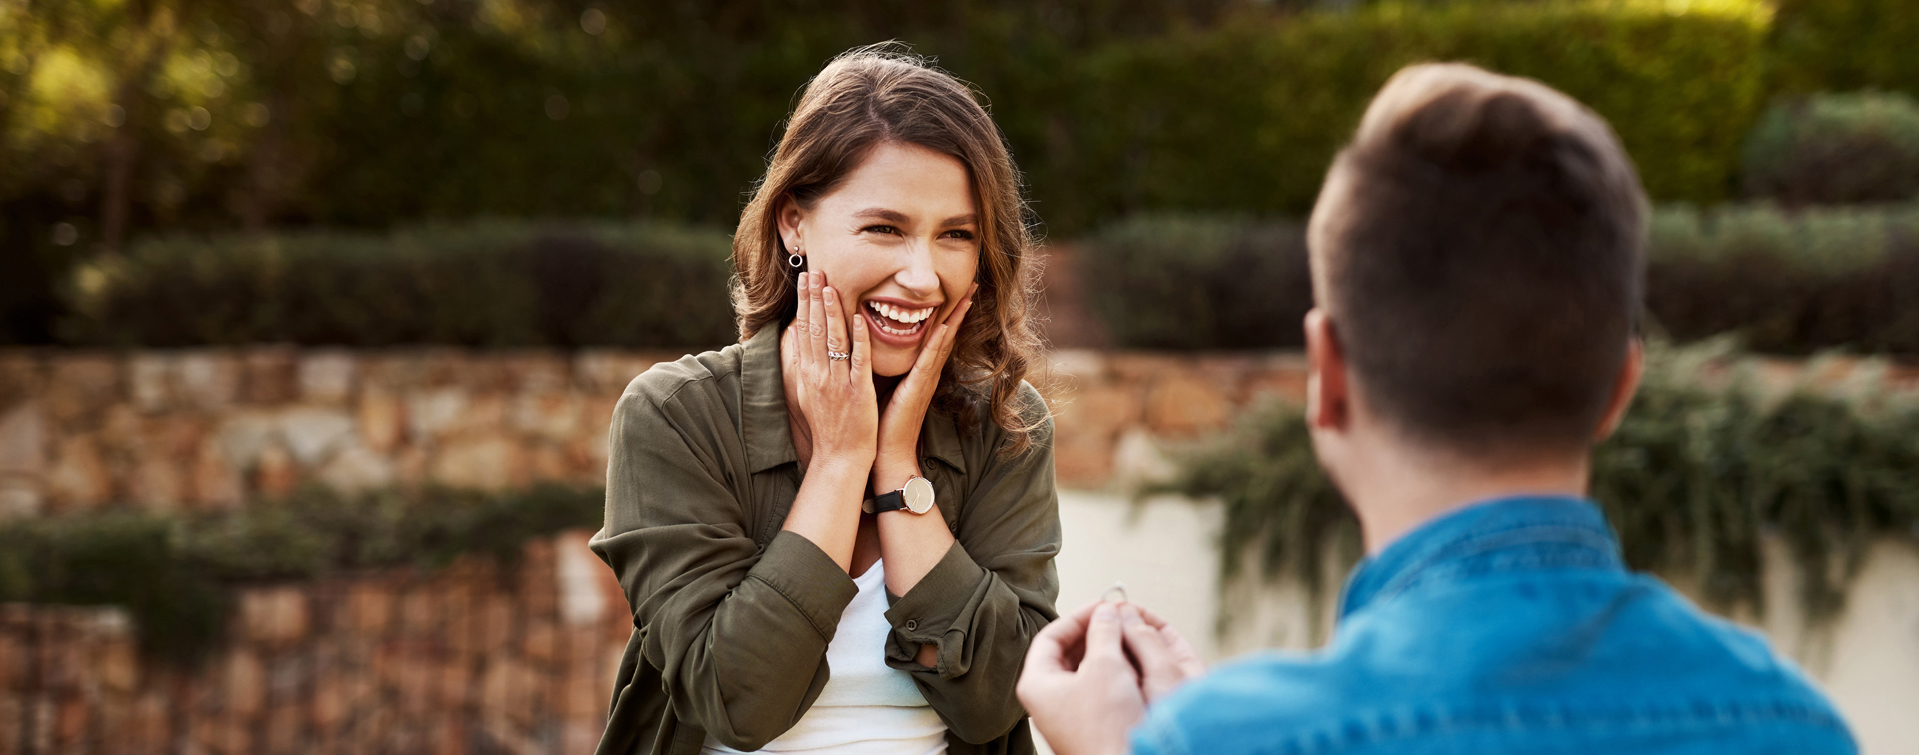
763, 423
769, 439
1488, 528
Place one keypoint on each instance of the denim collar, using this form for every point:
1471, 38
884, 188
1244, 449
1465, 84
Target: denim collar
769, 438
1509, 534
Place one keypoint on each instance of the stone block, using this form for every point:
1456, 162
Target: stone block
541, 641
23, 441
270, 375
382, 419
276, 475
216, 485
1083, 365
158, 484
547, 462
244, 681
208, 379
22, 376
494, 625
79, 480
485, 462
241, 438
356, 468
117, 665
275, 616
370, 606
80, 386
420, 613
431, 412
1082, 461
286, 730
1185, 406
1097, 411
454, 683
312, 433
326, 376
552, 416
577, 574
149, 380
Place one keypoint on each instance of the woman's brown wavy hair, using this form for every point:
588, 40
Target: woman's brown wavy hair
882, 93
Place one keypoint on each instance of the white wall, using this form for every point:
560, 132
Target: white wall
1165, 551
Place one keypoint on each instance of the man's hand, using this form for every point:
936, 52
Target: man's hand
1078, 685
1166, 660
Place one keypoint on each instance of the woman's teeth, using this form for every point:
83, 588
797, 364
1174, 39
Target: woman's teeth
899, 321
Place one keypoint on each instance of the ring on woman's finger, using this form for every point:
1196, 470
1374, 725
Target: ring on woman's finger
838, 356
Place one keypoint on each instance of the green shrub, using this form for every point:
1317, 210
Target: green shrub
1788, 282
1174, 282
175, 574
1691, 480
1842, 45
1835, 149
485, 284
1247, 117
1784, 282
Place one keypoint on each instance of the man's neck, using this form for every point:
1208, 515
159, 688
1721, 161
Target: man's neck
1402, 489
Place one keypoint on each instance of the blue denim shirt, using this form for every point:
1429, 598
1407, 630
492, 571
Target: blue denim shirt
1511, 626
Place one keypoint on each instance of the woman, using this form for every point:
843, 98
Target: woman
837, 535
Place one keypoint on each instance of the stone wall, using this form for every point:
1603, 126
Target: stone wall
467, 659
207, 429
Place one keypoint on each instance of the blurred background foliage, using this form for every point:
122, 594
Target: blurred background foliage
131, 124
1708, 462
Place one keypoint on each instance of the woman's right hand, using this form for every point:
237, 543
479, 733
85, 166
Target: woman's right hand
835, 395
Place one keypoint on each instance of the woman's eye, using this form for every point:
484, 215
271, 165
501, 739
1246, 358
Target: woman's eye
960, 234
881, 229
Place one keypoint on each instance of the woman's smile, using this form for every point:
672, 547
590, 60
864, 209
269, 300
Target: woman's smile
896, 322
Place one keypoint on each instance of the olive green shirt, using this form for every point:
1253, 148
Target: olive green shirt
732, 616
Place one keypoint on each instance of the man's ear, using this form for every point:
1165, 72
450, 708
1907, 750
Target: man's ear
1630, 370
1327, 387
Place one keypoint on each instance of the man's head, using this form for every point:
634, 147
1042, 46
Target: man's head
1477, 257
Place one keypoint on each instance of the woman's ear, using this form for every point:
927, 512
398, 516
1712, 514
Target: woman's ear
1624, 386
1327, 389
789, 216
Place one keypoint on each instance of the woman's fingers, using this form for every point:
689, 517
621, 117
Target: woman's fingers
862, 364
816, 318
836, 340
802, 323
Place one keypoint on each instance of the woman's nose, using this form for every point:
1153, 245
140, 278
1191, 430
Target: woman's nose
918, 275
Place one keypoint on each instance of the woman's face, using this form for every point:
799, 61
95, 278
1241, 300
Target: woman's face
899, 240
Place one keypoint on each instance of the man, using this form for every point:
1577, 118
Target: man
1477, 257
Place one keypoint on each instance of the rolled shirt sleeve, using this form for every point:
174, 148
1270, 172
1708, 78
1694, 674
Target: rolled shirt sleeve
994, 589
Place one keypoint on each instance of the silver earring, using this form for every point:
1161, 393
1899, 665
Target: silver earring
795, 260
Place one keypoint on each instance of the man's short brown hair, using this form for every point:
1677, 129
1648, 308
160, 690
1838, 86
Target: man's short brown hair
1480, 249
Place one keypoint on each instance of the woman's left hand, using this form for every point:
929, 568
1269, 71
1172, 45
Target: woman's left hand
898, 457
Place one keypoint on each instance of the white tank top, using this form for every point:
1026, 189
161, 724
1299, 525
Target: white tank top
867, 707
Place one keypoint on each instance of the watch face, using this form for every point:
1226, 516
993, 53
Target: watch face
919, 495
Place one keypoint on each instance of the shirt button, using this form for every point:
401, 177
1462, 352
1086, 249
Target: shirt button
912, 624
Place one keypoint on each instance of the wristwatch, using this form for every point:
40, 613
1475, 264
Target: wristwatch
916, 496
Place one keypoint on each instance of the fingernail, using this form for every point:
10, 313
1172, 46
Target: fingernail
1129, 613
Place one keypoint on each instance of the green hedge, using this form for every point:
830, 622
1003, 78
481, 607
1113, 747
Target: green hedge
176, 574
1853, 148
1842, 45
1785, 282
1788, 282
1691, 481
1247, 117
392, 112
487, 284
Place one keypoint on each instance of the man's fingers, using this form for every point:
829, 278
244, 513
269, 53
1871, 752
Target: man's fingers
1103, 637
1190, 665
1159, 669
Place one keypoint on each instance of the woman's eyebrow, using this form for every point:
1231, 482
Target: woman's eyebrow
958, 220
880, 213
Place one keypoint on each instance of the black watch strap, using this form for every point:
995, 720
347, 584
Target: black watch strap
889, 501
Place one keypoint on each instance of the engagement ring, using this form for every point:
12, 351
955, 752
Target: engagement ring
838, 356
